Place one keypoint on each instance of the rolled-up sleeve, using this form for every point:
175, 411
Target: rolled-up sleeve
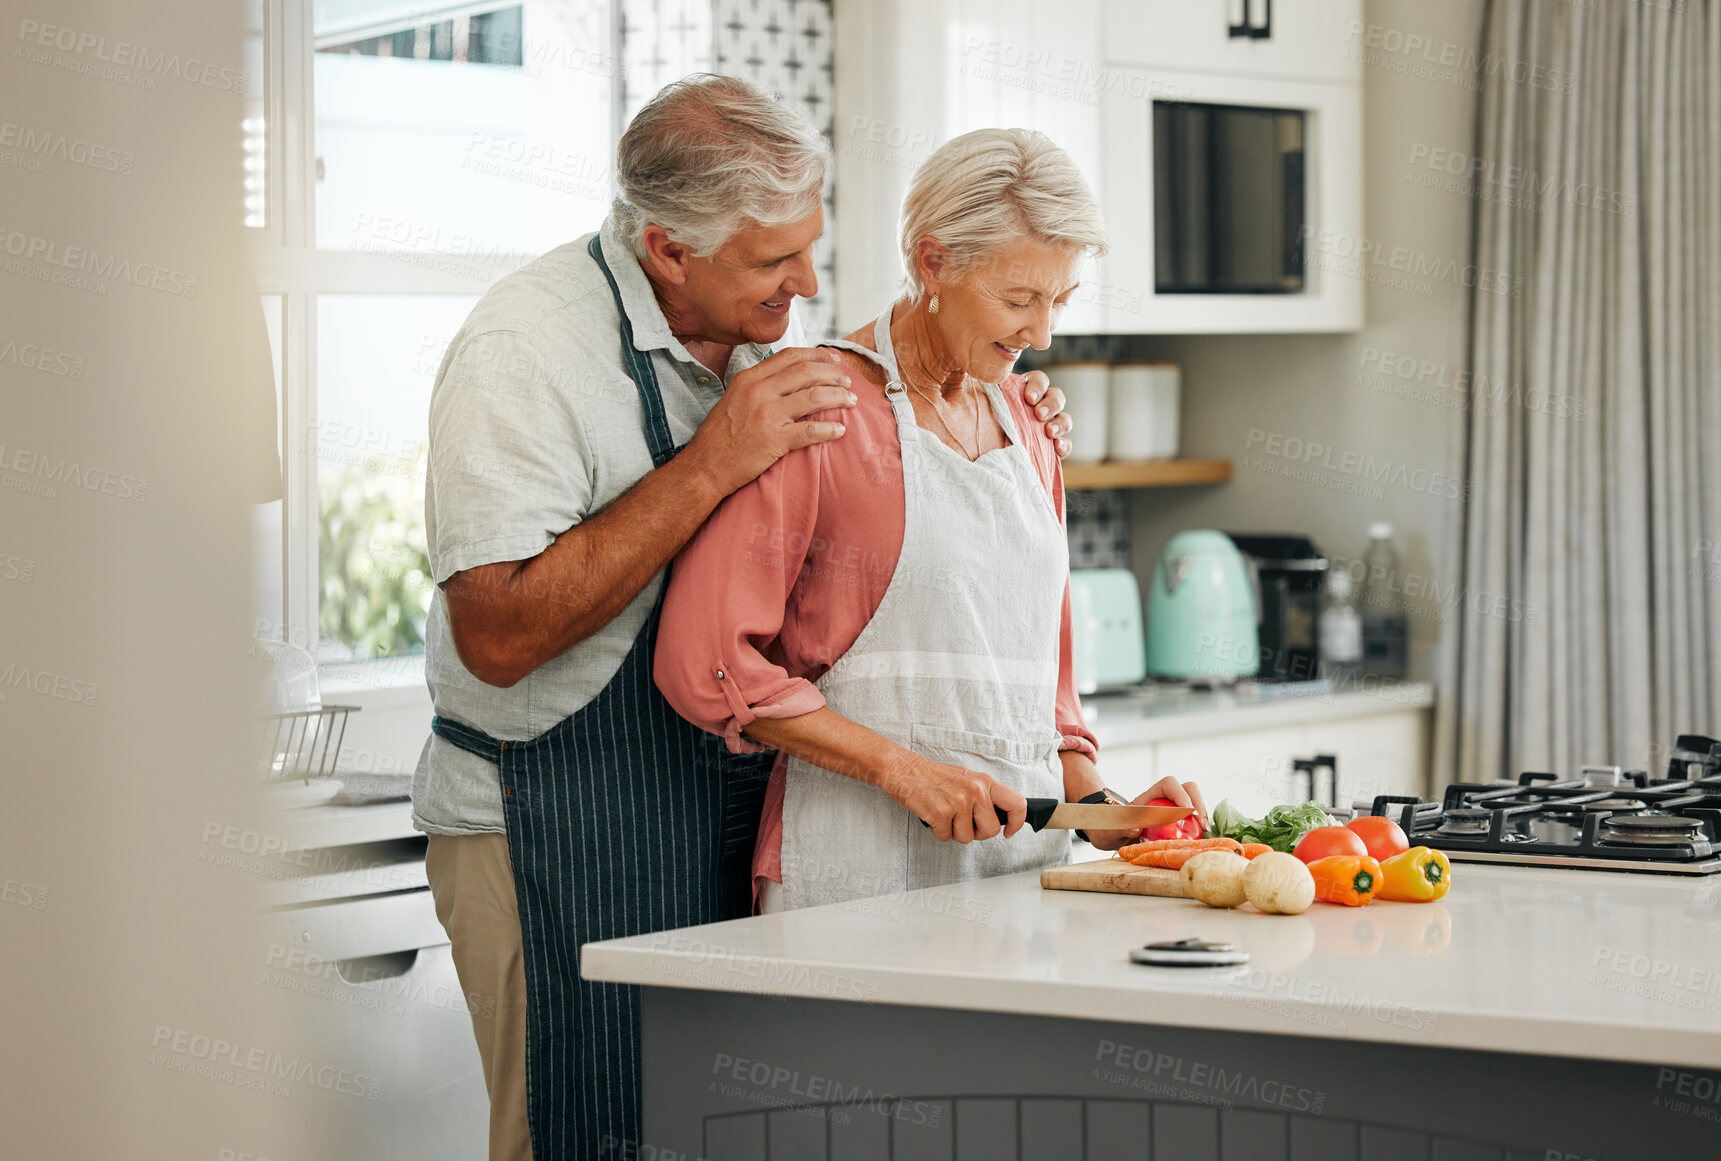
510, 469
727, 597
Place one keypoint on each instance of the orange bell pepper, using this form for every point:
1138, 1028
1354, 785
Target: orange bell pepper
1416, 876
1347, 879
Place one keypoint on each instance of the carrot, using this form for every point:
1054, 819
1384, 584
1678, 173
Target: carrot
1206, 844
1171, 860
1250, 850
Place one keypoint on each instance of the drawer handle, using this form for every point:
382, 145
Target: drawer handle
370, 969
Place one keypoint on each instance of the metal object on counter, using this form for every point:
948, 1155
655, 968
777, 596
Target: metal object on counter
301, 737
303, 744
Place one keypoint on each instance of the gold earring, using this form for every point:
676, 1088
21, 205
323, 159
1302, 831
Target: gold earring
932, 307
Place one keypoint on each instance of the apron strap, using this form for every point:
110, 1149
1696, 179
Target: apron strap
639, 367
472, 741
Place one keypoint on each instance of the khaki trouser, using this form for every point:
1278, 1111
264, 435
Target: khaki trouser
473, 886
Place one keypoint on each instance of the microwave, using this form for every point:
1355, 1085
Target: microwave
1229, 198
1233, 204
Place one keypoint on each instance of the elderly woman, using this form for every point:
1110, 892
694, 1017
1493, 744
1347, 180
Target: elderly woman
890, 610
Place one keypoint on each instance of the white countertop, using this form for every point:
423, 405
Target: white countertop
1156, 714
1613, 966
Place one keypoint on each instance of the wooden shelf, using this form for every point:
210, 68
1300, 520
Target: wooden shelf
1146, 474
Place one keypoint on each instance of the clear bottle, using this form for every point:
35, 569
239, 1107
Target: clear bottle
1341, 629
1385, 622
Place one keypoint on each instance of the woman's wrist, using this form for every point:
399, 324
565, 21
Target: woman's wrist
895, 770
1081, 776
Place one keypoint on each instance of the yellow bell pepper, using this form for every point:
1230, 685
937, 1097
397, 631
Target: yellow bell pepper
1416, 876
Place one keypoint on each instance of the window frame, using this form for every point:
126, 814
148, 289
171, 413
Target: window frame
285, 261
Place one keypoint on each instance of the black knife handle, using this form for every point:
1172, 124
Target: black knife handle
1039, 813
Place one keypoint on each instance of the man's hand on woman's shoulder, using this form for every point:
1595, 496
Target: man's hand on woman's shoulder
763, 414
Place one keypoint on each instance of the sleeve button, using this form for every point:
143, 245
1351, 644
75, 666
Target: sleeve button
719, 675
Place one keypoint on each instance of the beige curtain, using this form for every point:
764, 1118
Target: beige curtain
1591, 551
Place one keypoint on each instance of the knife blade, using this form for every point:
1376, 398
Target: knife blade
1049, 812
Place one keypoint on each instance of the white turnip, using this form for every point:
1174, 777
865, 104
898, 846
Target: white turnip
1278, 884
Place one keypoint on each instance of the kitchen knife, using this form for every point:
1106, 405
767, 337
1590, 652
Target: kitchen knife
1049, 812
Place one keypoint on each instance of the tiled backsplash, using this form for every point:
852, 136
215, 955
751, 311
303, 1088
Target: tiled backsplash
783, 46
1098, 526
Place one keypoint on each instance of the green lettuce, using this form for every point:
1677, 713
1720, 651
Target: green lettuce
1281, 829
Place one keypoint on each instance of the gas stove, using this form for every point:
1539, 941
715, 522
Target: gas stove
1607, 818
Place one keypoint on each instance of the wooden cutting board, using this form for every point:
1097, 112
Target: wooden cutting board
1116, 877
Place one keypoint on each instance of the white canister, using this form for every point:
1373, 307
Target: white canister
1144, 410
1167, 401
1087, 402
1136, 414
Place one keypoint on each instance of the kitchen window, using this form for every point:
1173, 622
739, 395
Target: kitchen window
399, 156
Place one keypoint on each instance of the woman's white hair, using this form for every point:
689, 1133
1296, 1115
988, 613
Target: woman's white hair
983, 190
710, 156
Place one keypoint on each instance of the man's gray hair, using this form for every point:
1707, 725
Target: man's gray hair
982, 190
710, 156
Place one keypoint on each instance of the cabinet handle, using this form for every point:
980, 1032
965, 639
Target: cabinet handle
1240, 28
1248, 28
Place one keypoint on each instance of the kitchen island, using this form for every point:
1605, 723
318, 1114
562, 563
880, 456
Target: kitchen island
1532, 1013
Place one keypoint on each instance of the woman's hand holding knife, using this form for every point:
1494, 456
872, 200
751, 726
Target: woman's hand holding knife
957, 803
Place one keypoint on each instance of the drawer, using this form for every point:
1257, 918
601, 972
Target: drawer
380, 1059
374, 925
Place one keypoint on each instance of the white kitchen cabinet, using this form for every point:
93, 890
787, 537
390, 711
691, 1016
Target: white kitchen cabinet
1379, 755
1246, 754
1308, 39
1249, 767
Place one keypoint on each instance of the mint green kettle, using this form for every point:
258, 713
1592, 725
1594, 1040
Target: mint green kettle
1201, 611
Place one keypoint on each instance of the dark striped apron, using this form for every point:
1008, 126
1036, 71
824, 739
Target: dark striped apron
622, 819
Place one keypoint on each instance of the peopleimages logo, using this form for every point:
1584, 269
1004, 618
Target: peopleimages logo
29, 250
120, 54
1355, 464
178, 1050
38, 471
42, 144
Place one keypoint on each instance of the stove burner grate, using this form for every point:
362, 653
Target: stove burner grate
1650, 830
1465, 820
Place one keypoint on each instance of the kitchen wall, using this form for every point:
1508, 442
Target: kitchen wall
1391, 391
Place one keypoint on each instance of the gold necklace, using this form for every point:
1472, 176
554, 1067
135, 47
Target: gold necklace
938, 414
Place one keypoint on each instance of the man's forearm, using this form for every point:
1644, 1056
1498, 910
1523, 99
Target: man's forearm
509, 618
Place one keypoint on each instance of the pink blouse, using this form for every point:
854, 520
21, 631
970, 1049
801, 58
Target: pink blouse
781, 580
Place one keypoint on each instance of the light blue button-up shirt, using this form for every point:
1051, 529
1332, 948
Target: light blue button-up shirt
534, 425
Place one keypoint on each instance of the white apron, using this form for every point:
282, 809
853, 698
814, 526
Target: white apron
959, 664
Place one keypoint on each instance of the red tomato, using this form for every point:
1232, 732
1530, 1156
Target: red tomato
1383, 837
1323, 842
1183, 828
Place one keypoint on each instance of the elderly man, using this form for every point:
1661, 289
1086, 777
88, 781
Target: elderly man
594, 409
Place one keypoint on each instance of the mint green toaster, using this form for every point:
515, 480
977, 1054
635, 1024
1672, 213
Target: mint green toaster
1201, 611
1105, 622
